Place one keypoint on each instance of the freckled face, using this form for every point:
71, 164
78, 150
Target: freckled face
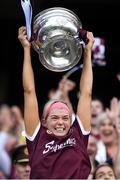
58, 122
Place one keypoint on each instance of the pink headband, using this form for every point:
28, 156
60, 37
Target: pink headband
54, 105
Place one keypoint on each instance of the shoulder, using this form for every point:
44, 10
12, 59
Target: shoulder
76, 122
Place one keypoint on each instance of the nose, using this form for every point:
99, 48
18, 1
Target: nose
107, 127
27, 168
106, 177
60, 121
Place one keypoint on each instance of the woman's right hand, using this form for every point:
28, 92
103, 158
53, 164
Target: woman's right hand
23, 37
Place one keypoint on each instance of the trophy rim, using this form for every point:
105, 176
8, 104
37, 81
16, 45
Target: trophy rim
43, 13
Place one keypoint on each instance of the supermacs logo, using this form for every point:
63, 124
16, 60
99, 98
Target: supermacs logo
52, 147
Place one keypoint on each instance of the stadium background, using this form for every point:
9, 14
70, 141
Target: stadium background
100, 16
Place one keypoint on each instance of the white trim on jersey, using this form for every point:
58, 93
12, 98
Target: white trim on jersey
84, 132
73, 118
31, 138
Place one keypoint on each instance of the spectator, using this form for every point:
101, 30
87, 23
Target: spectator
108, 145
7, 140
20, 128
20, 159
10, 114
104, 171
116, 160
96, 109
62, 92
92, 151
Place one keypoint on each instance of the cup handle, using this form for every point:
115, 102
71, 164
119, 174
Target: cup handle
83, 35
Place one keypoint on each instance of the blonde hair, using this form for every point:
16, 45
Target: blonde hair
102, 118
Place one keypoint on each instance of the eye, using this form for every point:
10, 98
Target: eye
100, 175
66, 118
110, 174
54, 118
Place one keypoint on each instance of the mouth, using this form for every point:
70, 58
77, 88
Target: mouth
94, 115
59, 129
107, 133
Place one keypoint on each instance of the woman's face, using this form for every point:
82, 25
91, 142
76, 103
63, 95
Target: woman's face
107, 131
105, 172
58, 122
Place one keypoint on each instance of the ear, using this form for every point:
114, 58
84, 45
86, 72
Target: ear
44, 123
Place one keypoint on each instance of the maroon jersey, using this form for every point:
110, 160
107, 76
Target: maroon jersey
54, 157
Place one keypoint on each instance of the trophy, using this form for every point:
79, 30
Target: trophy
56, 39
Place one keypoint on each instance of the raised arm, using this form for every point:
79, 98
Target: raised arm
116, 160
114, 115
31, 114
86, 81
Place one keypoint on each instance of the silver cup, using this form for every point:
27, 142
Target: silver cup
55, 32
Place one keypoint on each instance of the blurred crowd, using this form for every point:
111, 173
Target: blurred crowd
103, 145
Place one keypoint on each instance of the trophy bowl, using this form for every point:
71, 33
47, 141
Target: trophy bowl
55, 32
